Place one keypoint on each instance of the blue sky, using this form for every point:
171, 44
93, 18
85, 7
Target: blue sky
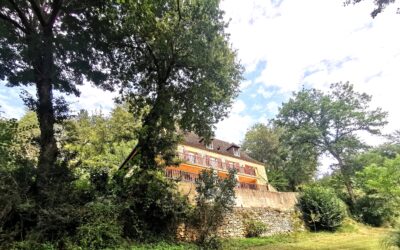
287, 44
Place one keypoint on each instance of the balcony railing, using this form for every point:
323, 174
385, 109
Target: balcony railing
191, 177
216, 163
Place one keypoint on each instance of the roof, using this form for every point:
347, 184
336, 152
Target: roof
219, 147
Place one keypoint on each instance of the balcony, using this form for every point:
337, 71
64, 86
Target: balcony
179, 175
216, 163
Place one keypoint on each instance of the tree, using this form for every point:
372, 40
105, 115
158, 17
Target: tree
215, 198
53, 45
288, 165
380, 5
177, 69
330, 121
381, 186
99, 141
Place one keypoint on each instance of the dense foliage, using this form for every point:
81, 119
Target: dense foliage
59, 179
177, 70
321, 208
215, 197
288, 164
330, 123
255, 228
380, 184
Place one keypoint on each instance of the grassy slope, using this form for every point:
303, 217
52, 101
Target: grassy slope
362, 239
351, 237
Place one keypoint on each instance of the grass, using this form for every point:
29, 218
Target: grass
351, 236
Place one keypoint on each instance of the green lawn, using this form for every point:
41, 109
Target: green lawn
361, 239
353, 236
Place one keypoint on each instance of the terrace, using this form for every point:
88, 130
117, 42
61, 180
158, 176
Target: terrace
191, 177
216, 163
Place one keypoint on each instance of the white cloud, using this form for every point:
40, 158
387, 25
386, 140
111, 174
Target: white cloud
315, 43
272, 107
234, 127
238, 107
263, 92
245, 84
93, 98
256, 107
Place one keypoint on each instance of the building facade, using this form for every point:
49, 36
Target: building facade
197, 155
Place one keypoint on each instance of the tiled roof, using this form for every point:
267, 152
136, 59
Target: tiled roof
219, 147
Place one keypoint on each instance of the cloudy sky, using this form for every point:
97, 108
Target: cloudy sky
285, 45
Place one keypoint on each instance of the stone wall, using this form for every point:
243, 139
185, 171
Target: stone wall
275, 209
277, 222
248, 198
234, 225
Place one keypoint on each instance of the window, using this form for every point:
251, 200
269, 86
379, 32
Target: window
236, 152
210, 146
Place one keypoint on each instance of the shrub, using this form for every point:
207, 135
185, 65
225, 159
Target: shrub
101, 228
152, 206
255, 228
321, 208
215, 197
373, 211
393, 240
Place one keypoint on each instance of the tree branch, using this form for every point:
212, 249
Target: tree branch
13, 22
38, 12
21, 16
56, 6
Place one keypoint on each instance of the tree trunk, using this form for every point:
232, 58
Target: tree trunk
346, 177
44, 71
349, 187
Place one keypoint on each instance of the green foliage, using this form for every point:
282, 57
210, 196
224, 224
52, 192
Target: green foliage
329, 123
100, 228
99, 141
255, 228
175, 61
215, 197
381, 187
8, 136
393, 240
151, 206
288, 165
321, 208
373, 210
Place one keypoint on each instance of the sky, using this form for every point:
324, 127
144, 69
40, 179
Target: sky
285, 45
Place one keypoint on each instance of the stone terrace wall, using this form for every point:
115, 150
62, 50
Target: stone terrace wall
248, 198
234, 225
277, 221
275, 209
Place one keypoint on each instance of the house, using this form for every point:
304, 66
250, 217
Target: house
221, 156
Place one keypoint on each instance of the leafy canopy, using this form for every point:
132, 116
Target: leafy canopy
331, 122
175, 61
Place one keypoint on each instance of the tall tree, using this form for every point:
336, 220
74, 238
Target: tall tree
330, 121
52, 45
176, 63
288, 165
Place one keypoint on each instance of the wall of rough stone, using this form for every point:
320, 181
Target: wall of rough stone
275, 209
234, 225
277, 222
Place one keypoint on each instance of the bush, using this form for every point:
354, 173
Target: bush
393, 240
373, 211
152, 206
215, 197
101, 228
321, 208
255, 228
